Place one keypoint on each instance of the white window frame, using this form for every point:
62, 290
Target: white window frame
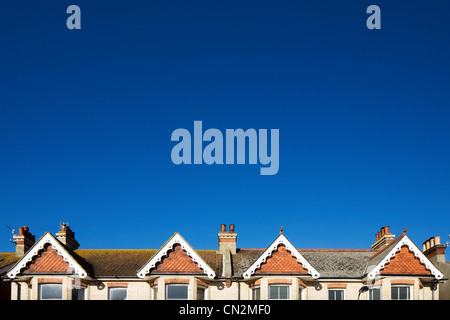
176, 285
374, 288
337, 289
279, 285
252, 292
43, 285
410, 290
117, 288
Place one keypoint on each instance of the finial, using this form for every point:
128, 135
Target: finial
404, 230
281, 230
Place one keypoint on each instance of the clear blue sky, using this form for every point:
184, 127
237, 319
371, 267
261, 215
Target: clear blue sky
86, 118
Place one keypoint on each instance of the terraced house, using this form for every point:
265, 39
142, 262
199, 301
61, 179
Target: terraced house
53, 267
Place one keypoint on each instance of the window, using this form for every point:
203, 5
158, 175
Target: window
335, 294
176, 292
50, 291
375, 293
117, 293
300, 293
78, 293
400, 292
279, 292
256, 293
201, 293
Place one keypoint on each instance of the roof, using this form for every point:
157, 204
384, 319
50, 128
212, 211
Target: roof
127, 263
7, 259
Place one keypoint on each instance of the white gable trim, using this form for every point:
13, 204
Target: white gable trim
176, 239
268, 253
46, 239
405, 241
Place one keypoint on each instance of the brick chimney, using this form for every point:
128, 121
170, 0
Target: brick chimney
67, 237
382, 239
227, 239
434, 250
24, 241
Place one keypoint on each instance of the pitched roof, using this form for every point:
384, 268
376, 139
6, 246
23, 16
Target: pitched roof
6, 259
281, 240
378, 261
336, 263
176, 239
329, 263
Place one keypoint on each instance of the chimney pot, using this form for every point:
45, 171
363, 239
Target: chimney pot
432, 242
232, 227
434, 250
383, 238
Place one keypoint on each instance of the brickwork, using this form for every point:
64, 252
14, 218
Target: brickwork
281, 262
177, 261
404, 262
48, 261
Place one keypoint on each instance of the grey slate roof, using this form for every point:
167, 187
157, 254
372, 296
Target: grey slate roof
338, 263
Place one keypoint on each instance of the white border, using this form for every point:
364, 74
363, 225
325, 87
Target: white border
175, 239
273, 247
405, 241
47, 238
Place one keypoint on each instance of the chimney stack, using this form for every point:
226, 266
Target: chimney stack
24, 241
434, 250
67, 237
227, 239
382, 239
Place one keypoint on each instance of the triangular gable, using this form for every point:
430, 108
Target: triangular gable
44, 241
167, 248
281, 240
404, 241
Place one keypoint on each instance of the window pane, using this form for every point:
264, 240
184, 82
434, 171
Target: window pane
50, 291
273, 292
176, 291
404, 293
117, 293
375, 294
256, 294
278, 292
284, 292
78, 293
200, 293
400, 293
335, 294
394, 293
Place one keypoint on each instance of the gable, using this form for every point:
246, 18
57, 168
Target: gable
283, 251
40, 257
47, 261
177, 261
281, 261
176, 256
402, 257
405, 262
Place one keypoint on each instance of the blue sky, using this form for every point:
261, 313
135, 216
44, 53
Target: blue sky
86, 118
